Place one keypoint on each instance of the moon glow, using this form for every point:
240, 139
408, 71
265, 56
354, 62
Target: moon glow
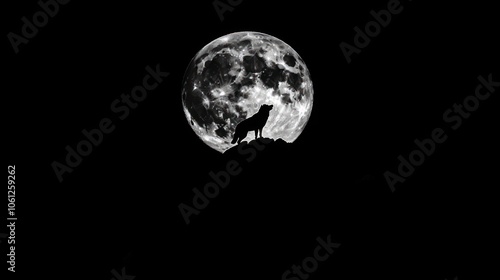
230, 78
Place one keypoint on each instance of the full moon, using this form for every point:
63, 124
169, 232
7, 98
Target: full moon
230, 78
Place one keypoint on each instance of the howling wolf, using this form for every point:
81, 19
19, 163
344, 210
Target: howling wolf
255, 122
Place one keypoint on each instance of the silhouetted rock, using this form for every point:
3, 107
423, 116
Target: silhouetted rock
259, 144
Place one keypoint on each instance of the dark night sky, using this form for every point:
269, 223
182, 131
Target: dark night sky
119, 206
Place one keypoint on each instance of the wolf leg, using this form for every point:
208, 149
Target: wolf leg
242, 136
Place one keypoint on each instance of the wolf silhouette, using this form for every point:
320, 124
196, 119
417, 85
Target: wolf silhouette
255, 122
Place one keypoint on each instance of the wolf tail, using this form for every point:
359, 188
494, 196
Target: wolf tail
235, 138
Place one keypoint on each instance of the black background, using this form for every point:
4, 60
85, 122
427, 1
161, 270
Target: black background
119, 207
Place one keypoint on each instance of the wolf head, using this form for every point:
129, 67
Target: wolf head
265, 108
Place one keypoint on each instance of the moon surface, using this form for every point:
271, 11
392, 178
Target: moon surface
230, 78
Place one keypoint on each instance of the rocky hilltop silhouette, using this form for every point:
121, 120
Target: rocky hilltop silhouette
260, 144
